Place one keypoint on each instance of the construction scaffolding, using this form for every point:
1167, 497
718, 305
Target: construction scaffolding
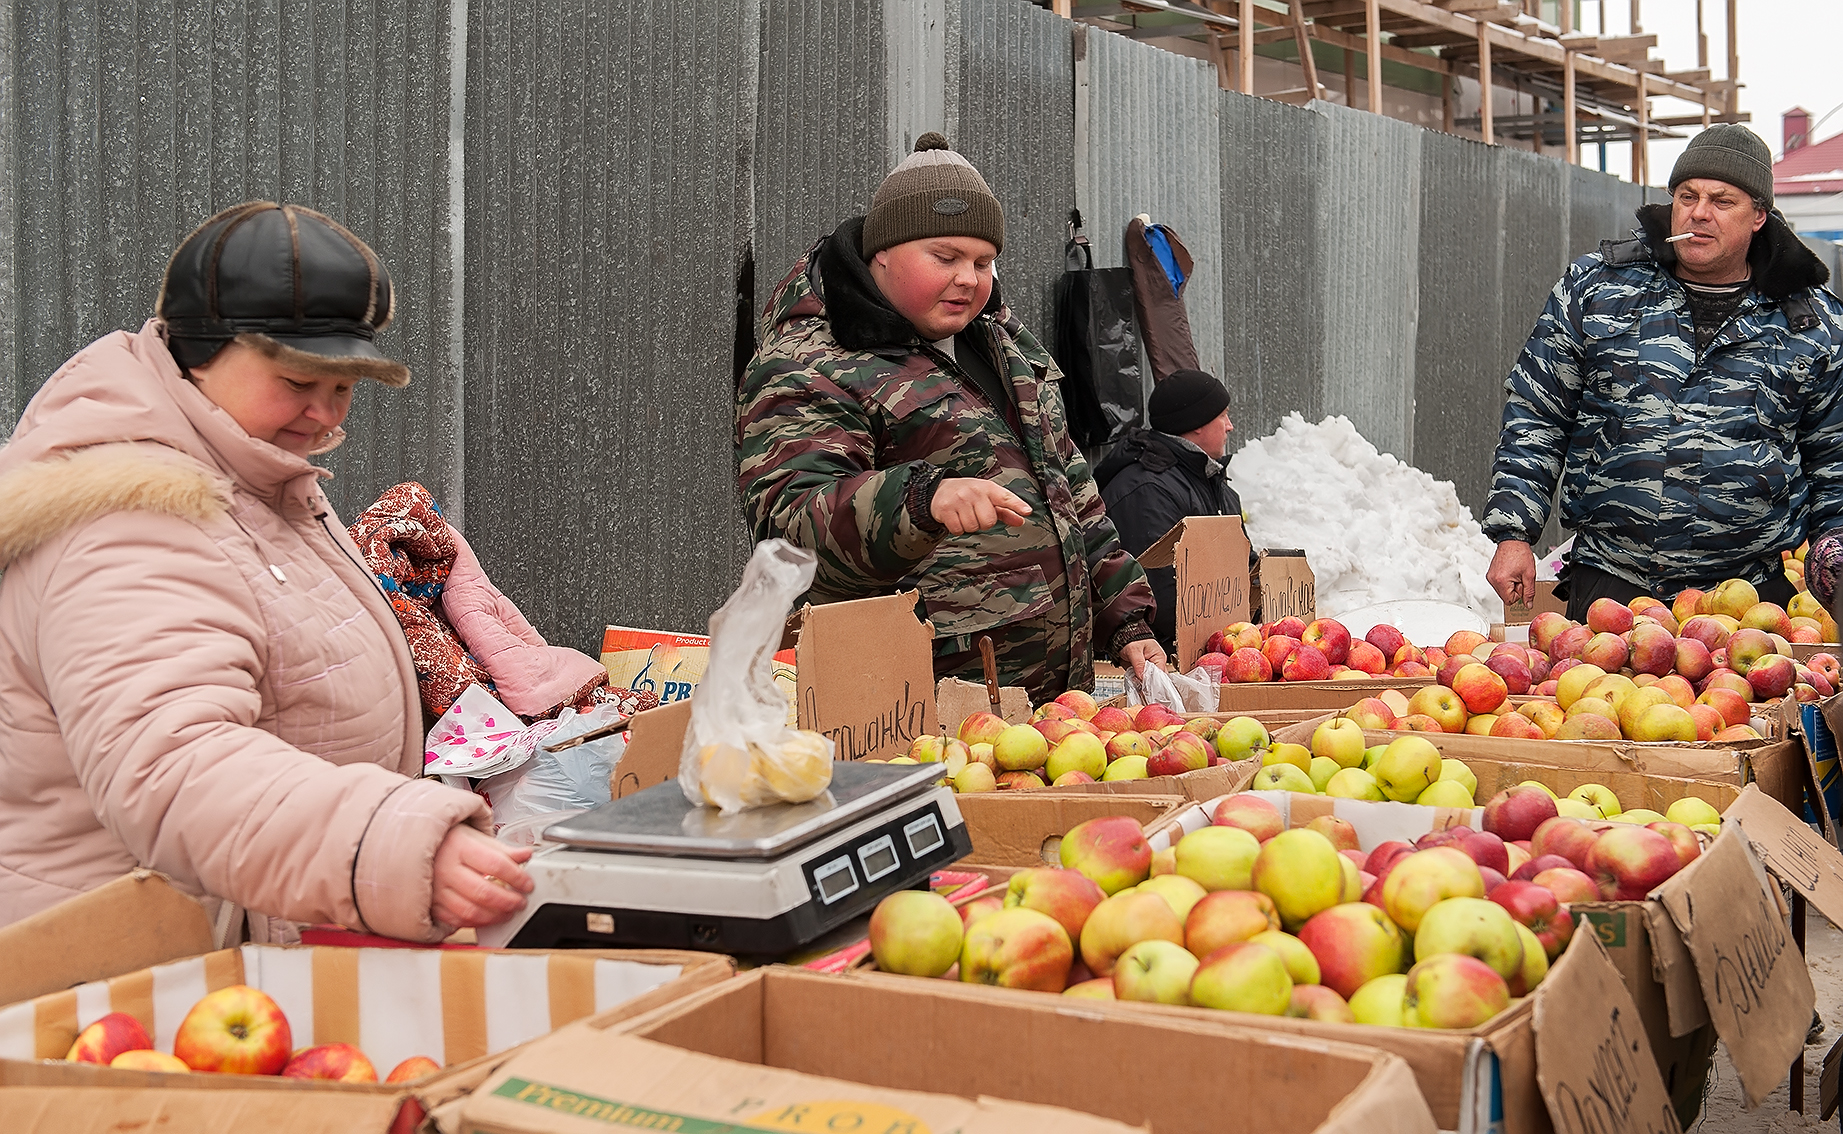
1597, 88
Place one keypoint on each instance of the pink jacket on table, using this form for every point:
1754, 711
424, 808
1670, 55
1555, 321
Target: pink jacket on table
196, 673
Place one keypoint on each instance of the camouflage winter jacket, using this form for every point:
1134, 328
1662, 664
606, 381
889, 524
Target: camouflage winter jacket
1676, 470
843, 409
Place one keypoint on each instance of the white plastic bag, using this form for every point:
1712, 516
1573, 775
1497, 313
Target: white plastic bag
739, 752
1193, 692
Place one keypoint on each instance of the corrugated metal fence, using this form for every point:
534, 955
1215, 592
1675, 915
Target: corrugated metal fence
577, 200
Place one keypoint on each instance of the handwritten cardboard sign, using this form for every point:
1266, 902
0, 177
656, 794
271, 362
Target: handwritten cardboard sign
1593, 1062
1283, 587
1790, 850
1210, 554
1753, 979
865, 674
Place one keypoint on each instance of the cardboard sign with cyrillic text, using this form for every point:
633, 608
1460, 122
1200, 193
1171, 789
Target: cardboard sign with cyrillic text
1210, 554
1283, 587
1593, 1061
1791, 851
865, 674
1753, 978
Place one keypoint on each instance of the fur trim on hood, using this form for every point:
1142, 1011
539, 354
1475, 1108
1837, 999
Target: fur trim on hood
1781, 263
64, 491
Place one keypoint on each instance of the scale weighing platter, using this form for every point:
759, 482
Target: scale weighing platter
661, 820
653, 870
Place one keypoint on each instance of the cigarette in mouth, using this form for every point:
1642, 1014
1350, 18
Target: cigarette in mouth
1677, 237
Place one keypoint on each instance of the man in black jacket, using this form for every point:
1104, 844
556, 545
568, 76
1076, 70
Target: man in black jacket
1158, 476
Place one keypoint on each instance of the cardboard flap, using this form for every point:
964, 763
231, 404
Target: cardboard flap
655, 739
56, 1110
1674, 969
137, 921
1593, 1062
1754, 981
1790, 851
956, 700
865, 673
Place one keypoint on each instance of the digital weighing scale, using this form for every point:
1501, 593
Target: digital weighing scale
657, 871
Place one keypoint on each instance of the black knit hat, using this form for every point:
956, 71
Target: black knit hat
1728, 151
1186, 400
287, 281
932, 192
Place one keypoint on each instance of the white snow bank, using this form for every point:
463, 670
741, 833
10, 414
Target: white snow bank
1373, 528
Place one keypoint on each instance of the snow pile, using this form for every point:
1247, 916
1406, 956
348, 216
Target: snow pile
1373, 528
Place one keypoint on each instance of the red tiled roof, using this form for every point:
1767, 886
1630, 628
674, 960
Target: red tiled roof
1811, 169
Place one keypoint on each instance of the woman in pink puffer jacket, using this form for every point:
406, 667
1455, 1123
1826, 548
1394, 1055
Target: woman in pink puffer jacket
196, 673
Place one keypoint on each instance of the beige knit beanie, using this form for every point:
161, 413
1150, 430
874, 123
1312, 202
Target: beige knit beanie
932, 192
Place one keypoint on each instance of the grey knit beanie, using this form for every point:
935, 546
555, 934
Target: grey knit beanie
1728, 152
932, 192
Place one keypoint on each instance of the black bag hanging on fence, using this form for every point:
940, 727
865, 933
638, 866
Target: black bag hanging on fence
1097, 345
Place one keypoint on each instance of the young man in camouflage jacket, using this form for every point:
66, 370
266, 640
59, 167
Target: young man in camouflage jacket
1685, 391
897, 421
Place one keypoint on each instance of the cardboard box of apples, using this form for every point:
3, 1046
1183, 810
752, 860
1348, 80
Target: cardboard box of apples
1421, 947
381, 1020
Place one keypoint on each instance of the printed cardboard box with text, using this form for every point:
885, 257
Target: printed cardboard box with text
1210, 554
847, 1047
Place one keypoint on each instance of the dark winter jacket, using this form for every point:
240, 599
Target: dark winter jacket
1676, 469
1151, 481
843, 411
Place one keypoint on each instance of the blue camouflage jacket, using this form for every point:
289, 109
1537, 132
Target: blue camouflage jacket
1676, 470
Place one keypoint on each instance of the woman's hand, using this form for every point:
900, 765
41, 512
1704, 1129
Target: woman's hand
968, 504
478, 880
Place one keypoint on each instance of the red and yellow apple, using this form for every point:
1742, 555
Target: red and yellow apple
237, 1030
1018, 948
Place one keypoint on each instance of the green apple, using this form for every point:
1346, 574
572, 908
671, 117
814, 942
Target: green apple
1301, 965
1372, 754
1406, 768
1282, 777
1540, 784
1535, 963
1476, 927
916, 933
1598, 795
1341, 739
1445, 793
1078, 752
1451, 769
1641, 815
1126, 768
1380, 1000
1323, 768
1298, 755
1020, 748
1243, 977
1218, 858
1354, 783
1302, 872
1178, 891
975, 777
1577, 809
1693, 812
1240, 738
1154, 972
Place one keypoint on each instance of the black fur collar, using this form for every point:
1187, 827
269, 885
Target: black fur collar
861, 318
1781, 263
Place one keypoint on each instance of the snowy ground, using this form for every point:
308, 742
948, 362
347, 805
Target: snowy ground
1373, 528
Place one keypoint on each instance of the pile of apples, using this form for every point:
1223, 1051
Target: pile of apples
1248, 916
1408, 769
237, 1030
1322, 650
1071, 740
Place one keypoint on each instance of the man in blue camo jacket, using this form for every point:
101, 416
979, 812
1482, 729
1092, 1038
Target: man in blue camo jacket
1684, 390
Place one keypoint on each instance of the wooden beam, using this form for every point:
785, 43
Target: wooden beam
1372, 17
1063, 8
1350, 77
1533, 48
1565, 9
1734, 48
1306, 63
1568, 127
1641, 146
1246, 23
1446, 103
1484, 84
